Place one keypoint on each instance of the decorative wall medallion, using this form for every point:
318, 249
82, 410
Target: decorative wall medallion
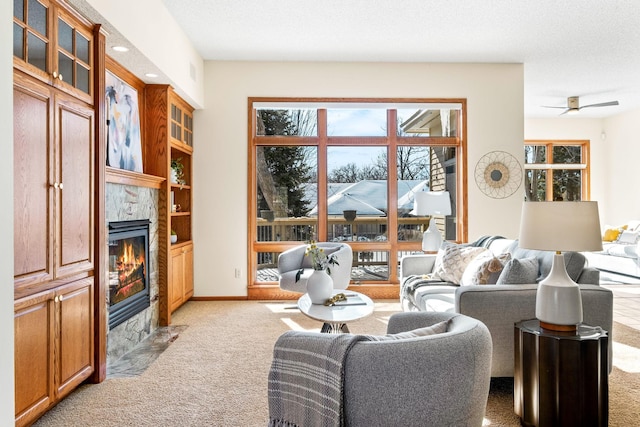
498, 174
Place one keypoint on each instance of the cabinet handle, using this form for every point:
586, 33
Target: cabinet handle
60, 297
61, 186
56, 299
57, 76
56, 185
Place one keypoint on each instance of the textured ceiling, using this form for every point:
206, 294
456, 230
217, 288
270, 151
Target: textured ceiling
586, 48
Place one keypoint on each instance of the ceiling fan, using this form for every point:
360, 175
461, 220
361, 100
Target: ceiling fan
573, 105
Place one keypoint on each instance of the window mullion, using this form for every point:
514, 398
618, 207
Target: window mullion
322, 232
392, 191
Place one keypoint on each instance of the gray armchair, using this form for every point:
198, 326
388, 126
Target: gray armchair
292, 260
432, 380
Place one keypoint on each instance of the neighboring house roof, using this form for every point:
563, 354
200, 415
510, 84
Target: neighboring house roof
367, 197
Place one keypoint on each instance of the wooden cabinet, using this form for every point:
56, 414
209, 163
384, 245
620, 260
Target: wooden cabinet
54, 44
53, 346
53, 185
181, 285
169, 138
54, 140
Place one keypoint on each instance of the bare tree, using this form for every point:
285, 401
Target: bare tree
346, 173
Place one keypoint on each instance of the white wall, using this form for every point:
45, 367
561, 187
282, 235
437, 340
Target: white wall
495, 122
622, 148
148, 25
7, 406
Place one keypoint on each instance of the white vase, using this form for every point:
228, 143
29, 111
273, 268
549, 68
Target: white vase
319, 286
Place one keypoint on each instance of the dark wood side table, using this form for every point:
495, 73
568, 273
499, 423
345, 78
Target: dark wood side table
561, 378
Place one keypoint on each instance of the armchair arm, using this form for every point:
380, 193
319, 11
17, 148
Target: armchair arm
407, 321
417, 264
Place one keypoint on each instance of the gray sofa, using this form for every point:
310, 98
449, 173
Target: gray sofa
499, 306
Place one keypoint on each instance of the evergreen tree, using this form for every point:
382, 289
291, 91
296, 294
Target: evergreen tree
282, 170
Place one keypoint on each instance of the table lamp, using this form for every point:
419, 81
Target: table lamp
431, 203
560, 227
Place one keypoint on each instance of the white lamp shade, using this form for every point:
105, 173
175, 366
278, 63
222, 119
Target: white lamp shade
560, 226
431, 203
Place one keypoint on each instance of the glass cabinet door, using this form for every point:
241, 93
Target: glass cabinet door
31, 33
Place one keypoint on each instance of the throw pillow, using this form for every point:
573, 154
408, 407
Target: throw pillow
436, 328
484, 270
611, 234
455, 259
519, 271
629, 237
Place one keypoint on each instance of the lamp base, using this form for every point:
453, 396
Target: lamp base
431, 238
558, 299
558, 328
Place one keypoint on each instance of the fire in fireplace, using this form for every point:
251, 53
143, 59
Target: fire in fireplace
128, 270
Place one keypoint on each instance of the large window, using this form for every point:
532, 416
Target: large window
341, 170
556, 170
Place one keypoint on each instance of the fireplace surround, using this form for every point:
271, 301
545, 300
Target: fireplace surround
124, 202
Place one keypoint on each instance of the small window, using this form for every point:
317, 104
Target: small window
556, 170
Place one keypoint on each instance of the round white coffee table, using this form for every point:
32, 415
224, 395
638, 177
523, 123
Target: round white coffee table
335, 317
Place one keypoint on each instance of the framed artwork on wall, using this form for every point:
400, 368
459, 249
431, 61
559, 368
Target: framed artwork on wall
124, 145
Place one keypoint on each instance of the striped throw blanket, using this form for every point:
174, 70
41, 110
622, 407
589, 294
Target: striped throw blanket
306, 379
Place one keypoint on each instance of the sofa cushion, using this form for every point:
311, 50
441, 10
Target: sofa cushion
437, 297
574, 263
484, 269
454, 261
519, 271
629, 237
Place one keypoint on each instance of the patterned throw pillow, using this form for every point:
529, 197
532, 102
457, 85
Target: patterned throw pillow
455, 259
519, 271
484, 270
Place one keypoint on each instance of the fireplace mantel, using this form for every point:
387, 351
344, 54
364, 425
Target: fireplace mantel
125, 177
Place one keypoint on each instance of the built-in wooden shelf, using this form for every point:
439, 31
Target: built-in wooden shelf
125, 177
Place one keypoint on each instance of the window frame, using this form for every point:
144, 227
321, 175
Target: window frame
321, 140
549, 166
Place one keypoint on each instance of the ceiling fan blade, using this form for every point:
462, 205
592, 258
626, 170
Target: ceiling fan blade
602, 104
551, 106
565, 111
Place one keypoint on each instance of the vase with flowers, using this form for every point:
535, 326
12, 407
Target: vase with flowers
320, 283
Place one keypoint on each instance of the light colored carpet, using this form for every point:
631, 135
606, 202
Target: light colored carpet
215, 373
